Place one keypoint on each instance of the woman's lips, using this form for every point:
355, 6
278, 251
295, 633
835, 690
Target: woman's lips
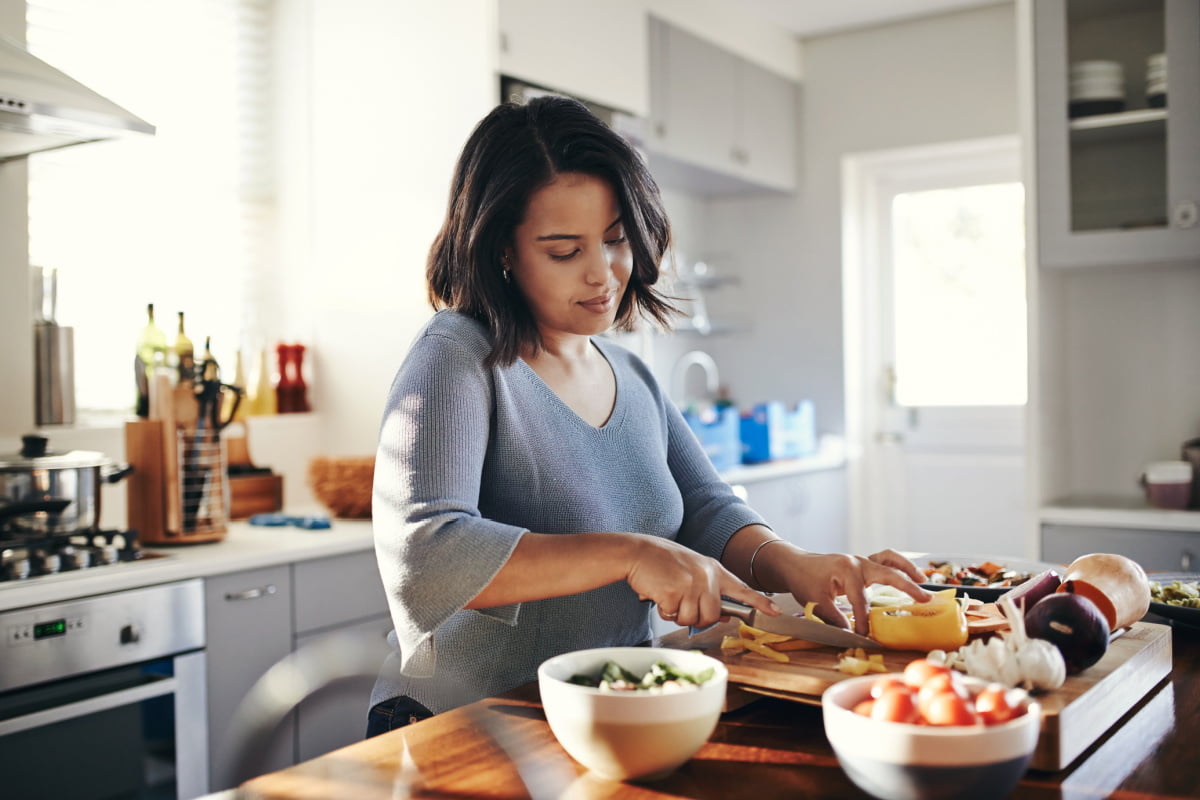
600, 304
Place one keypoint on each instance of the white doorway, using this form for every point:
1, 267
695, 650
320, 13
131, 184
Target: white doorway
935, 347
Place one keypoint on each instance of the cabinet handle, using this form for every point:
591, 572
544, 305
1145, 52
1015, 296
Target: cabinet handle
1185, 561
1186, 215
251, 594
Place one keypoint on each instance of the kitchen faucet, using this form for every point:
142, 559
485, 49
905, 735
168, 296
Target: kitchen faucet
694, 358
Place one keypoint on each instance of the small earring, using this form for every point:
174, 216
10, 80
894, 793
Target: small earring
507, 275
505, 268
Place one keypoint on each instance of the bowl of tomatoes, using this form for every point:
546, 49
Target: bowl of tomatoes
930, 733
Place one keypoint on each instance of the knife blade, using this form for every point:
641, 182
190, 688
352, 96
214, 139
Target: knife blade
798, 627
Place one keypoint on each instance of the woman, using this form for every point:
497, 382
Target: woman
535, 490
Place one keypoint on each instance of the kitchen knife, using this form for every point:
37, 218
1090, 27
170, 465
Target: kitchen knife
798, 627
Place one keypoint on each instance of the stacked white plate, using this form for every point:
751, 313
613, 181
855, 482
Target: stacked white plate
1156, 80
1097, 87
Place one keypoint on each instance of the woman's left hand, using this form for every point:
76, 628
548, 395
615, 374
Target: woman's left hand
820, 577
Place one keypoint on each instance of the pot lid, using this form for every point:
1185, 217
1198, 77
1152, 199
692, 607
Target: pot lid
35, 455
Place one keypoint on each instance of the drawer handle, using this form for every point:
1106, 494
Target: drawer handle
1185, 561
251, 594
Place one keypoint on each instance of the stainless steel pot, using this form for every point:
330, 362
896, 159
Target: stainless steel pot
44, 492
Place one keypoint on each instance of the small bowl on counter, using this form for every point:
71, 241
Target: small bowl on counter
907, 761
636, 735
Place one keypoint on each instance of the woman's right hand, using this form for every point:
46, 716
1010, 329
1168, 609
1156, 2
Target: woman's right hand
687, 586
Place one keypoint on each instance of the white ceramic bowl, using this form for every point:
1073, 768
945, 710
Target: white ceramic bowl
630, 735
898, 761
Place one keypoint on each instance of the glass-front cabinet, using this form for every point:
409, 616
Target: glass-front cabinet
1117, 126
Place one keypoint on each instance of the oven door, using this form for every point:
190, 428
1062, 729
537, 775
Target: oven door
135, 731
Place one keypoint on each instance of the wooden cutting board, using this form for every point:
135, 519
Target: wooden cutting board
1073, 716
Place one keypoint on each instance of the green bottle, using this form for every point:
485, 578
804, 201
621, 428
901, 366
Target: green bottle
185, 354
151, 352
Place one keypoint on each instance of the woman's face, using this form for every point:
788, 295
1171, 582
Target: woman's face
570, 258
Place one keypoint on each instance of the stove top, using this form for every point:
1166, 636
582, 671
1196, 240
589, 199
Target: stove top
26, 557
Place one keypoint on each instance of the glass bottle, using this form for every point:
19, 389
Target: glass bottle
185, 354
261, 401
151, 353
285, 384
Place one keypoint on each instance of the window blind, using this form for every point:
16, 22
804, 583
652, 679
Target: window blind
181, 219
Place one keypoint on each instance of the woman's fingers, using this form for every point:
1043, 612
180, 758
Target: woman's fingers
877, 572
890, 558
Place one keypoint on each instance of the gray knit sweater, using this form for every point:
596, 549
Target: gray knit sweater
470, 459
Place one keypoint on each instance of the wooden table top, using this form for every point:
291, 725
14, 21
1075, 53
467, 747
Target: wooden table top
766, 749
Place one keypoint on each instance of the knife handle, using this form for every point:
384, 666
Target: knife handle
732, 608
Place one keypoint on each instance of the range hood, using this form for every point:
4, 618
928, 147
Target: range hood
43, 109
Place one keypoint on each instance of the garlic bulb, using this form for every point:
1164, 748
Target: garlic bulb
1013, 660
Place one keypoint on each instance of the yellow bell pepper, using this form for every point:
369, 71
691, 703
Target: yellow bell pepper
939, 624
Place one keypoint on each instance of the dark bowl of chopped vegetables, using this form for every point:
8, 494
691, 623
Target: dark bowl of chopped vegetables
632, 713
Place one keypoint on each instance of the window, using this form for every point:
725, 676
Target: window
181, 219
959, 296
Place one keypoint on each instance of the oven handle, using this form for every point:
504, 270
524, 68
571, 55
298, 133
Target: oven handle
156, 687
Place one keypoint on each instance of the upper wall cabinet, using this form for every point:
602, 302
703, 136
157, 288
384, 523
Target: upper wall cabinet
1117, 126
594, 51
718, 123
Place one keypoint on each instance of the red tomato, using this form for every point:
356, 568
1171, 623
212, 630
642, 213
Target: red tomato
994, 707
947, 708
896, 704
920, 670
885, 682
864, 707
938, 683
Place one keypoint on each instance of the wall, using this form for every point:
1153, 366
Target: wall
367, 147
933, 79
382, 135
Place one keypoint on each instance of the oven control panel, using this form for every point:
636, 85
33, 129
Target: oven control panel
31, 632
62, 639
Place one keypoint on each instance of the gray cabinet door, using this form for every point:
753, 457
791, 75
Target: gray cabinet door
336, 715
766, 136
808, 510
336, 590
1156, 551
249, 626
1146, 178
699, 93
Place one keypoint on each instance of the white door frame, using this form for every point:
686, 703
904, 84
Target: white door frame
866, 180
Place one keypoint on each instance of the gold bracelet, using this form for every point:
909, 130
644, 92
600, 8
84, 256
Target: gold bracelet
754, 555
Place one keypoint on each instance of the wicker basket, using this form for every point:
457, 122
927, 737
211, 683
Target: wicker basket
343, 484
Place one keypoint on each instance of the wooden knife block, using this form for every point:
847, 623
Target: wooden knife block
178, 492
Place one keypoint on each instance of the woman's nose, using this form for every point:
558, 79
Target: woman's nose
599, 268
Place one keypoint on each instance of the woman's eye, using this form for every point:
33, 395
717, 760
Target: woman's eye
563, 257
616, 241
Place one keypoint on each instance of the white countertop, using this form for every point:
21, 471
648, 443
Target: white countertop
831, 454
245, 547
1118, 512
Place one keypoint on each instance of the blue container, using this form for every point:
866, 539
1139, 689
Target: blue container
771, 431
718, 430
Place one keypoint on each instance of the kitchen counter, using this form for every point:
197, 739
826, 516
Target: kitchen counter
245, 547
769, 748
830, 454
1118, 512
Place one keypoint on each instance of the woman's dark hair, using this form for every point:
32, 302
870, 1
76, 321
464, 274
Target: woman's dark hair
514, 151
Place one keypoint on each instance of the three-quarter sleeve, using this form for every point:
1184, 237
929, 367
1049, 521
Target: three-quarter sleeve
436, 552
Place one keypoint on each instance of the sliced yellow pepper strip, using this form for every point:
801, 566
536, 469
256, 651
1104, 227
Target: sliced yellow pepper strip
750, 632
939, 624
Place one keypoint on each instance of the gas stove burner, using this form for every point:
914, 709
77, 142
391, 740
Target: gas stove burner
46, 563
26, 558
